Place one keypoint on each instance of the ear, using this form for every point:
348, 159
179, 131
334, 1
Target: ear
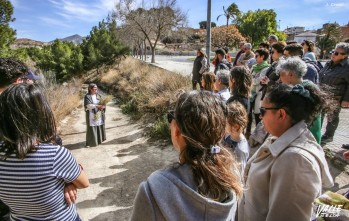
283, 114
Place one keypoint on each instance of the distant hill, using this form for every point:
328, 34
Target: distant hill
27, 43
75, 39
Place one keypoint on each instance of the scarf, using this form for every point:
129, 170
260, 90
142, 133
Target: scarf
258, 67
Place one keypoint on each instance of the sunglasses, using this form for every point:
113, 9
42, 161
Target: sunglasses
263, 110
170, 116
257, 55
338, 53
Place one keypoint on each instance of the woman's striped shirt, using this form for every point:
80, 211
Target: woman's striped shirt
33, 187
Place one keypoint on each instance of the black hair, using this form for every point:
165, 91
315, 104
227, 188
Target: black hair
263, 52
26, 119
10, 70
300, 102
294, 49
279, 47
264, 45
242, 81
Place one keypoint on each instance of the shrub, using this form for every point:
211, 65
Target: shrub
161, 129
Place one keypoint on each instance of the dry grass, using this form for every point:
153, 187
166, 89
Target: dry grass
152, 89
145, 91
63, 99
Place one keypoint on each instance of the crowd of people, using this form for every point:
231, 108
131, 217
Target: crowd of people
281, 88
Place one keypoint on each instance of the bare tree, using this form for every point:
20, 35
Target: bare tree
153, 21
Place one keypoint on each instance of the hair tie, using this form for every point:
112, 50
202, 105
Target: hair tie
300, 90
215, 149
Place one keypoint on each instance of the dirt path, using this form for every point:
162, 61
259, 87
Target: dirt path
116, 167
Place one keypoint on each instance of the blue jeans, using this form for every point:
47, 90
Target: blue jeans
77, 218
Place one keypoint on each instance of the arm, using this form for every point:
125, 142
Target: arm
65, 167
143, 204
203, 65
294, 184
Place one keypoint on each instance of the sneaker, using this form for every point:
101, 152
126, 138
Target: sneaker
326, 139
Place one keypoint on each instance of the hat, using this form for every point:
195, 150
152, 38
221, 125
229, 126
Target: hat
248, 45
31, 76
220, 51
273, 37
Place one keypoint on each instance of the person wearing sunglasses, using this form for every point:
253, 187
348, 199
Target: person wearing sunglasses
336, 75
204, 184
291, 71
289, 170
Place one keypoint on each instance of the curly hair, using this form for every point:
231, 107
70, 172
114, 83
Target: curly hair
237, 115
201, 118
209, 79
310, 44
305, 105
242, 81
26, 118
10, 70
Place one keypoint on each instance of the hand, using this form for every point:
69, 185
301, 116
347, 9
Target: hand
346, 155
265, 80
70, 193
345, 104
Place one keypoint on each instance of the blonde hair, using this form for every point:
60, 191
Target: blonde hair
237, 115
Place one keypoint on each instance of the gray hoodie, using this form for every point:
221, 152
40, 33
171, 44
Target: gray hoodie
171, 194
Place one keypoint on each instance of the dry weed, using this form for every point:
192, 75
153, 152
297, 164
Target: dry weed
63, 99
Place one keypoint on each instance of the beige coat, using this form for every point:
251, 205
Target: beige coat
284, 177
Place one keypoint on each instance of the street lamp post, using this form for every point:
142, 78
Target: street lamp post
208, 32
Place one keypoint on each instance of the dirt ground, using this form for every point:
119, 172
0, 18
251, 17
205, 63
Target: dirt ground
116, 167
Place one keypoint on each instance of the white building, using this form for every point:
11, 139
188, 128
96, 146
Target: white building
305, 36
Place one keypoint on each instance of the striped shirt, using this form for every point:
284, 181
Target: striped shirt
33, 187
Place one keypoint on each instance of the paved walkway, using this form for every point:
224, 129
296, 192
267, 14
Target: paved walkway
333, 149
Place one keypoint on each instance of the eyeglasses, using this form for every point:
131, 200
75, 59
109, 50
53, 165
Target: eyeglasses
170, 116
338, 53
257, 55
263, 110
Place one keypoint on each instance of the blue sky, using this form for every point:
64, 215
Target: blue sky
46, 20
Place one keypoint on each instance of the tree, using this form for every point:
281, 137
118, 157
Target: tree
232, 12
226, 36
153, 22
328, 37
257, 26
7, 34
102, 46
203, 24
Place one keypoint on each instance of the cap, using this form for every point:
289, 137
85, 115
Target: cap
30, 75
248, 45
273, 37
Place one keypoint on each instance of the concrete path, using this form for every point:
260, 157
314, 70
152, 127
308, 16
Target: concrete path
116, 167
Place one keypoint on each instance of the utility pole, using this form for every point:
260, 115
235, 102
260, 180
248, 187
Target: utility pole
208, 32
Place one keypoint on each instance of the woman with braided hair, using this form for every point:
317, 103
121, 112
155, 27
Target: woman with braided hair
204, 184
288, 171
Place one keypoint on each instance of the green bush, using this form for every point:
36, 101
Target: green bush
130, 107
161, 129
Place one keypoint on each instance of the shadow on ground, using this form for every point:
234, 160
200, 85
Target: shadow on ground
122, 187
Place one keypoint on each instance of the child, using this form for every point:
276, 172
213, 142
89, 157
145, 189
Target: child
234, 138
